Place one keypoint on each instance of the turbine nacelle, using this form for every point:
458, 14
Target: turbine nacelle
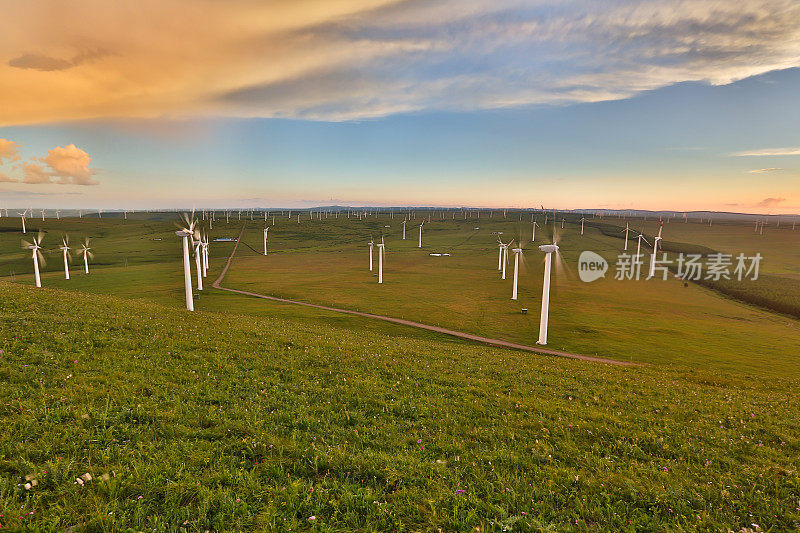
549, 248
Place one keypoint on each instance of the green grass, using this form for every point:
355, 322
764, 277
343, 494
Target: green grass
212, 421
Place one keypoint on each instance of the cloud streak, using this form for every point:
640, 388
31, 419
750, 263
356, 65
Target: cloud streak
770, 202
767, 152
353, 59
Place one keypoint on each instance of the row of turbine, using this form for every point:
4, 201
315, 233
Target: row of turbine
36, 252
200, 244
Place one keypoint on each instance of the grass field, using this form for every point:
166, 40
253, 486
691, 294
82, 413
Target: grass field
250, 414
212, 421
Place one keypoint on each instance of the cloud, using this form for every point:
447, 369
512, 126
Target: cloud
7, 179
47, 63
70, 165
352, 59
35, 174
8, 150
770, 202
768, 152
760, 170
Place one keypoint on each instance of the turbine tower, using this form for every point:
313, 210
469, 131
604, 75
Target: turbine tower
548, 249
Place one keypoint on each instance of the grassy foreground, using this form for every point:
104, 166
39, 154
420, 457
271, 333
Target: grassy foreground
222, 422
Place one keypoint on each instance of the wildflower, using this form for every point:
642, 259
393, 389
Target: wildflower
460, 491
312, 518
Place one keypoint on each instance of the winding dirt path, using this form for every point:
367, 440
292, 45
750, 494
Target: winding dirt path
477, 338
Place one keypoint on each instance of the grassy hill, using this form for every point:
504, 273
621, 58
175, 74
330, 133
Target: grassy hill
213, 421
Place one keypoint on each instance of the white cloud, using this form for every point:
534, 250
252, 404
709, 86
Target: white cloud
760, 170
767, 152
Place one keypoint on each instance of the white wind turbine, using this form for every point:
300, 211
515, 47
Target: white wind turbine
404, 229
198, 260
582, 221
533, 230
65, 249
35, 247
266, 231
499, 254
371, 244
627, 230
22, 218
42, 215
517, 253
185, 233
505, 258
655, 251
420, 235
548, 249
205, 255
86, 254
381, 249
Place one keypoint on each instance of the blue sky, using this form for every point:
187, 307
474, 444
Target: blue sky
509, 104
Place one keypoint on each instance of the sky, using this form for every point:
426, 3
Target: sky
661, 105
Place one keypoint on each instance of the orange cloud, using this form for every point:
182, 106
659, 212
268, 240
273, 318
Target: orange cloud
770, 202
70, 165
8, 150
35, 174
7, 179
347, 59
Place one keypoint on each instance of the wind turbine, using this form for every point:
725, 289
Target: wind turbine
639, 240
86, 254
381, 248
655, 250
517, 253
627, 230
505, 258
35, 248
420, 235
204, 240
65, 249
266, 230
499, 254
582, 220
548, 249
404, 229
198, 250
371, 243
22, 217
533, 230
184, 233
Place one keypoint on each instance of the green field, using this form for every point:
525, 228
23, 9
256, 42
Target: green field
250, 414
